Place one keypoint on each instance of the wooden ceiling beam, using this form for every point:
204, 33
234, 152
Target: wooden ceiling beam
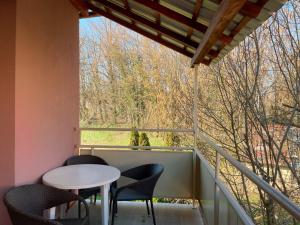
155, 26
141, 31
251, 9
158, 19
81, 6
254, 9
196, 13
226, 12
197, 8
179, 18
125, 2
91, 15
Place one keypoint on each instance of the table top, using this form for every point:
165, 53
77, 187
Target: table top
81, 176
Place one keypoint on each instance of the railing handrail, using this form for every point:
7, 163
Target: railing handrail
95, 147
183, 130
281, 199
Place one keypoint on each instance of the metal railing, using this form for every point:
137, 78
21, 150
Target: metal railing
282, 200
140, 129
162, 130
219, 186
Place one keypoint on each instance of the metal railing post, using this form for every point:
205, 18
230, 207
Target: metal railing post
217, 190
196, 131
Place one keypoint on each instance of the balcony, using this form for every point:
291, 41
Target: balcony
187, 175
40, 96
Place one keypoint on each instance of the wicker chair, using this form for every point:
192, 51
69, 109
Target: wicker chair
147, 177
27, 203
86, 159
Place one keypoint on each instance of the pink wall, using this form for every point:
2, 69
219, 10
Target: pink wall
39, 89
7, 65
47, 86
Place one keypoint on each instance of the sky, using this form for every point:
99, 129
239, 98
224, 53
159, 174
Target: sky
85, 23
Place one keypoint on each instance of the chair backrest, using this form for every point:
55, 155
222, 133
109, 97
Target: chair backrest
26, 203
147, 176
85, 159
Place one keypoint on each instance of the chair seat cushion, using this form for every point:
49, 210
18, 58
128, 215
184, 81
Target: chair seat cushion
128, 194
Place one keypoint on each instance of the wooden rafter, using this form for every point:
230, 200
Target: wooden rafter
127, 7
126, 4
257, 8
196, 13
141, 31
254, 9
154, 26
226, 12
250, 9
81, 6
179, 18
157, 15
212, 34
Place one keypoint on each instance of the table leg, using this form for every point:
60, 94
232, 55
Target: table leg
55, 212
50, 213
58, 213
104, 203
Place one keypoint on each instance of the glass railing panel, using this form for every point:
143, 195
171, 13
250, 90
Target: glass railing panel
227, 215
240, 222
223, 209
228, 210
232, 216
207, 193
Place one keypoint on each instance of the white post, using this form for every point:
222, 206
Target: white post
104, 203
196, 131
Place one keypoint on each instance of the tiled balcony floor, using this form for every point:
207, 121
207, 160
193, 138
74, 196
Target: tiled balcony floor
135, 213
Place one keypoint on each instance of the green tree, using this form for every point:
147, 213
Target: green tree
144, 140
172, 139
134, 138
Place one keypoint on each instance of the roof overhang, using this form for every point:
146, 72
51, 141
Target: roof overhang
204, 30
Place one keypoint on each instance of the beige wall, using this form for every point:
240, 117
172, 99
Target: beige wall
39, 89
7, 65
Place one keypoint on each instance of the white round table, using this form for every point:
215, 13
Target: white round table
85, 176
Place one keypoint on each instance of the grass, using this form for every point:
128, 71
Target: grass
115, 138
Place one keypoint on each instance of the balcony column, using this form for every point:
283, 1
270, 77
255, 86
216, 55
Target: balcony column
196, 129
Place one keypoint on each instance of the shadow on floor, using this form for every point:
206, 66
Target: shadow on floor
135, 213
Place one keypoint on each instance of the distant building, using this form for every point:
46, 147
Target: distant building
290, 149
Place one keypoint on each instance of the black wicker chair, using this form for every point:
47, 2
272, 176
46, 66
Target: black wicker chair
26, 204
86, 159
147, 177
